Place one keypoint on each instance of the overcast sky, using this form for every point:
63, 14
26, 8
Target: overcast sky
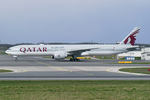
103, 21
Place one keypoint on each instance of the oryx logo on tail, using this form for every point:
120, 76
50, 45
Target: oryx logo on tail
131, 38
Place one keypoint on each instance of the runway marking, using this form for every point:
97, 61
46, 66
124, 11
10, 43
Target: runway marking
107, 70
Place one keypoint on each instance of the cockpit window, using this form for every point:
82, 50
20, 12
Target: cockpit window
11, 48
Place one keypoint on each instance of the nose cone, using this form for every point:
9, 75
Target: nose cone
7, 52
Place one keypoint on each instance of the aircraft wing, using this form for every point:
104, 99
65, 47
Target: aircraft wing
78, 52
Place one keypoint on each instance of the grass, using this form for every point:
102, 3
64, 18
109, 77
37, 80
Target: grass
140, 63
106, 57
2, 53
74, 90
3, 70
136, 70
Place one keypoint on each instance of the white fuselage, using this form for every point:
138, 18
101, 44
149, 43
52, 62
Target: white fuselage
96, 49
62, 51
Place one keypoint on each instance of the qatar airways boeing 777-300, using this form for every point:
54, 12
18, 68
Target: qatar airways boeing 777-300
62, 51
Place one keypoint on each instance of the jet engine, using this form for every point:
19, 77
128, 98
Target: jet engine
60, 55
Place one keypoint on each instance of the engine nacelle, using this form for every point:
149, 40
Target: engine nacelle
60, 55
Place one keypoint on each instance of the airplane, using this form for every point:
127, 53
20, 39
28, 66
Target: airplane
76, 50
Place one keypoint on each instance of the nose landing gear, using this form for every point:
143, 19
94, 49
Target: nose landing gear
16, 58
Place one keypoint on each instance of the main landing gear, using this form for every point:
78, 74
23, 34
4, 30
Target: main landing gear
73, 58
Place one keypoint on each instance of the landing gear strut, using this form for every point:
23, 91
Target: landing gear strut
74, 59
16, 58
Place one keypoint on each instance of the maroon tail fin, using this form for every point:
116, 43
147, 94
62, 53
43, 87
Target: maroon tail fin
131, 38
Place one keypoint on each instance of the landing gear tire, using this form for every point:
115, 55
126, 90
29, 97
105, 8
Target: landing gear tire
71, 59
16, 58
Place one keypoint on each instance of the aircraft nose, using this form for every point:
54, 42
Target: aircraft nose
7, 51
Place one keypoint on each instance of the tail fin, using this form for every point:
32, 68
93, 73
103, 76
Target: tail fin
131, 37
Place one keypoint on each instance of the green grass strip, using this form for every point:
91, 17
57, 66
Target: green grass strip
75, 90
3, 70
136, 70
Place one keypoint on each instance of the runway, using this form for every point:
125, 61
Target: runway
39, 68
37, 61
